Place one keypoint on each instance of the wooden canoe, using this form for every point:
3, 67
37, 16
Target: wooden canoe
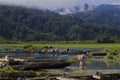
42, 65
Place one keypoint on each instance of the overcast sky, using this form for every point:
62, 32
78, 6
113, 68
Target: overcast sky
55, 3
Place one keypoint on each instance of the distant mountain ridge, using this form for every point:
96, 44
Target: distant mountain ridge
103, 15
104, 7
74, 9
85, 8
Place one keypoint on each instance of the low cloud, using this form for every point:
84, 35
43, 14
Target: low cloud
48, 4
105, 1
41, 3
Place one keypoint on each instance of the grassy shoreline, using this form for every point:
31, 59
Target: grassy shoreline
63, 45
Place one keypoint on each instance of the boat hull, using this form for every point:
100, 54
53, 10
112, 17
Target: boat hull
41, 65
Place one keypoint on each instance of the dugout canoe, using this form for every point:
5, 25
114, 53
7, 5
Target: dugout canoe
42, 65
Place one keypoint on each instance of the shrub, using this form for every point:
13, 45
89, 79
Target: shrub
7, 68
27, 46
109, 56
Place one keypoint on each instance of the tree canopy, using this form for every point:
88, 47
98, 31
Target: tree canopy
23, 24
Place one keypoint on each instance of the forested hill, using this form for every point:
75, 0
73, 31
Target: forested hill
19, 23
102, 15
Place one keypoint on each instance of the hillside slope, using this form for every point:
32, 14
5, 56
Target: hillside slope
19, 23
103, 15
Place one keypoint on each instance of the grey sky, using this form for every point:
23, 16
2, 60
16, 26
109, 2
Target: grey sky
55, 3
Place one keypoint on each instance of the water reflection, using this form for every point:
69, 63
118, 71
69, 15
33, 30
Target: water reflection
88, 61
110, 62
97, 64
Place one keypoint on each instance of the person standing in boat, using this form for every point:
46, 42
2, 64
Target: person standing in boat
82, 60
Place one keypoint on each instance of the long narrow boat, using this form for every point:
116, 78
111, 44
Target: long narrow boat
42, 65
37, 63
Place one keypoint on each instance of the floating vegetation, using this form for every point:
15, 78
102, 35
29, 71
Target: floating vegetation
71, 59
109, 56
44, 75
112, 57
76, 72
90, 56
110, 62
118, 56
88, 61
7, 68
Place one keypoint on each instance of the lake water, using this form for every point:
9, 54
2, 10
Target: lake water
91, 67
97, 64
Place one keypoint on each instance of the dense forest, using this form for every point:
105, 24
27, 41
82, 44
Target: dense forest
103, 15
23, 24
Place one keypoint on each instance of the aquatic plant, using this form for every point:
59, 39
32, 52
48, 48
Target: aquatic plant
43, 75
90, 56
38, 73
71, 59
7, 68
110, 62
118, 56
109, 56
76, 72
109, 59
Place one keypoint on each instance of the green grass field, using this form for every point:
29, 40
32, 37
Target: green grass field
104, 46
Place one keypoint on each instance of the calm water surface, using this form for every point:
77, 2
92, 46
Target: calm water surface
98, 64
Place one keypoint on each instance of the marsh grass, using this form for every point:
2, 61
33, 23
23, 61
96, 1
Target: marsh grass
72, 59
76, 72
47, 74
64, 45
111, 58
7, 68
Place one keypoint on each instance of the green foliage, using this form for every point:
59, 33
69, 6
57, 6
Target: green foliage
104, 15
47, 74
76, 72
38, 74
109, 56
27, 46
88, 59
110, 62
7, 68
22, 24
117, 57
62, 45
90, 56
104, 40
